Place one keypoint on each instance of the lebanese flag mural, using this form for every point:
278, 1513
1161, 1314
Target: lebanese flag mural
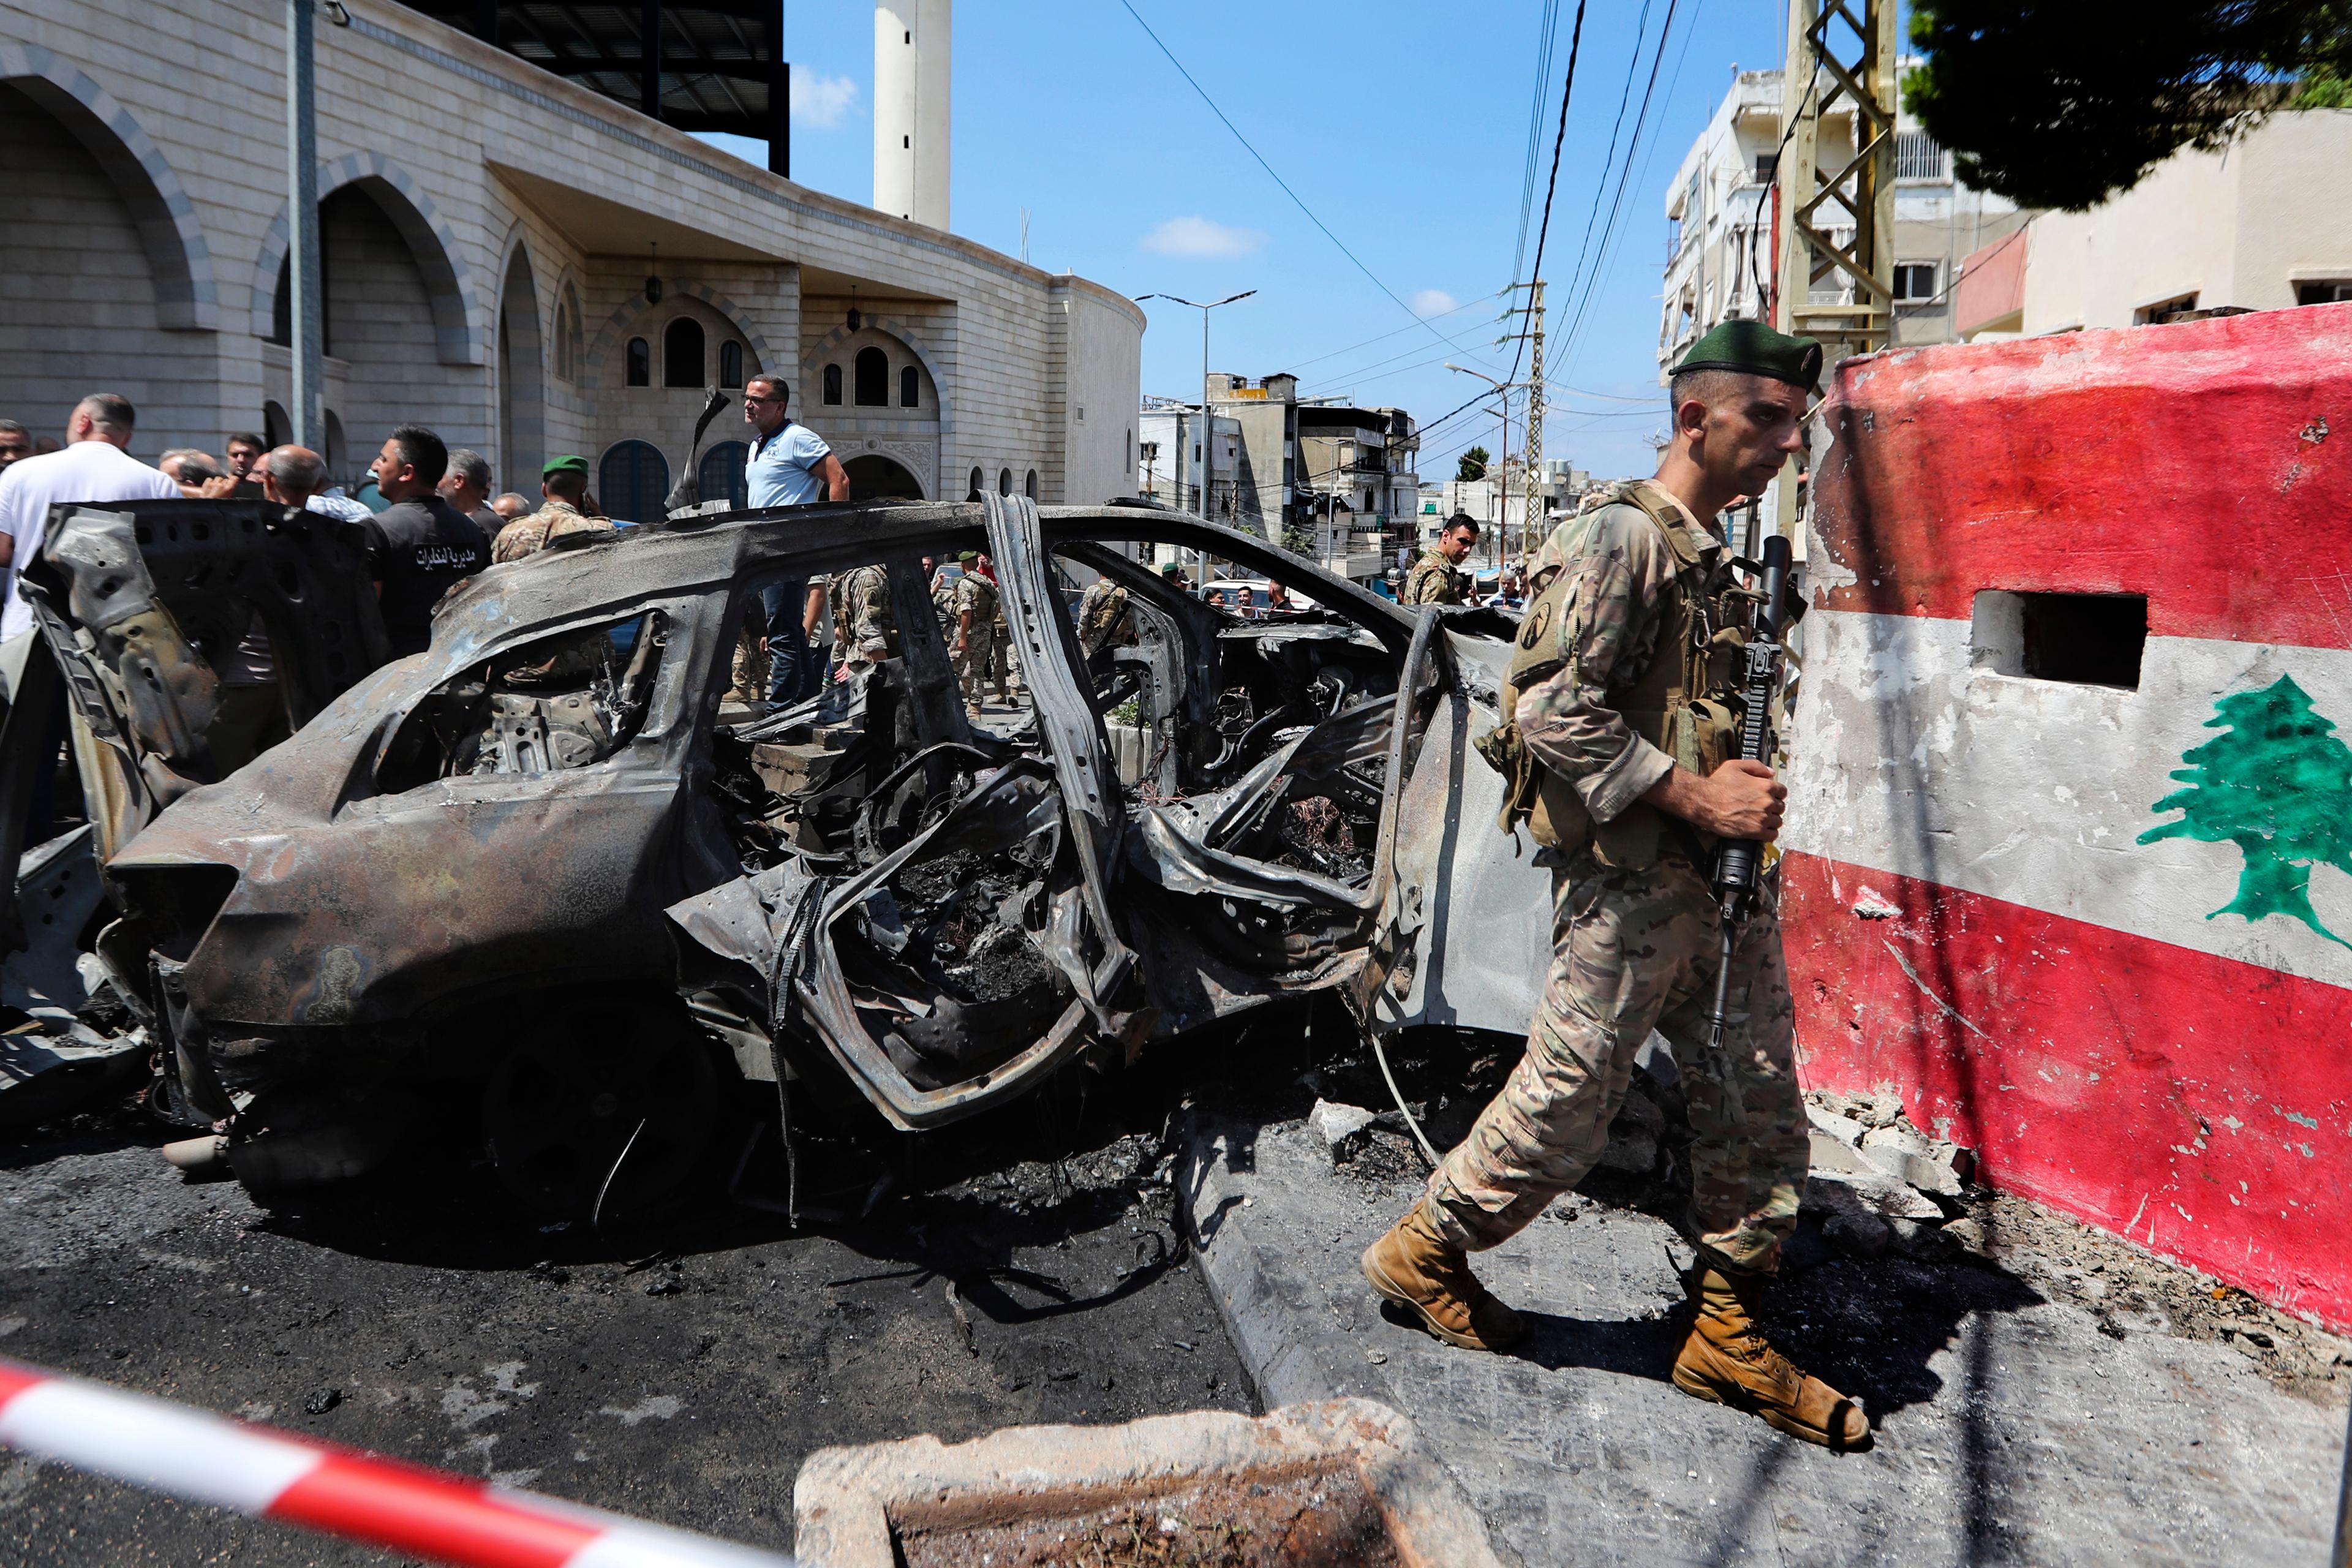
2083, 899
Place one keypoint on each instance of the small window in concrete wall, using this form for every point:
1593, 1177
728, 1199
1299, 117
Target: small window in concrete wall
2085, 640
730, 363
641, 363
1029, 485
910, 388
1005, 481
832, 385
976, 480
2328, 292
873, 378
682, 352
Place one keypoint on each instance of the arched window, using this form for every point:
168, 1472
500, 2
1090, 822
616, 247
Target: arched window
910, 388
1005, 481
682, 352
873, 378
833, 385
641, 363
976, 480
276, 429
721, 473
569, 336
1029, 485
730, 363
632, 480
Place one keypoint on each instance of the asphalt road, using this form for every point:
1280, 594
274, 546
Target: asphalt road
679, 1373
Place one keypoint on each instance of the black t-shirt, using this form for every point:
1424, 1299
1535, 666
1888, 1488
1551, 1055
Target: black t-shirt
416, 549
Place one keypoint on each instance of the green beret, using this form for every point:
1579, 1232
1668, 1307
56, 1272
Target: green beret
1169, 569
572, 465
1754, 349
966, 557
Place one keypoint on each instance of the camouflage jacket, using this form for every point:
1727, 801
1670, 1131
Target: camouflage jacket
975, 595
1102, 617
1621, 567
528, 535
861, 612
1434, 580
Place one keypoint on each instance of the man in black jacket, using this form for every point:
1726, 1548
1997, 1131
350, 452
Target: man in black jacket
420, 545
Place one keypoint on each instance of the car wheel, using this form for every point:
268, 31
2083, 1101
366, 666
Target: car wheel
605, 1114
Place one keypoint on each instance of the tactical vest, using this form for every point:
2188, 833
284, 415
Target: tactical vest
1682, 703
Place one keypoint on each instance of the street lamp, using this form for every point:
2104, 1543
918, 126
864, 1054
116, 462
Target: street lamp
1208, 432
1503, 479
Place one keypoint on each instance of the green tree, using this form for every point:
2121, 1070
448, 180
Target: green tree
1472, 465
2278, 785
2062, 103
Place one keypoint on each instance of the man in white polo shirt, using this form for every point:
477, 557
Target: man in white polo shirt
790, 466
93, 466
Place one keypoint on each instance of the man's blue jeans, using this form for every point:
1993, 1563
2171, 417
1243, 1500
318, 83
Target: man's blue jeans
792, 663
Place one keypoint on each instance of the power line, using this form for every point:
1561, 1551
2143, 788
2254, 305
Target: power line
1298, 365
1566, 88
1546, 33
1278, 180
1633, 67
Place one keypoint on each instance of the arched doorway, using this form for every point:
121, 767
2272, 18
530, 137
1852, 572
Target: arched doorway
95, 265
720, 474
632, 480
522, 384
876, 477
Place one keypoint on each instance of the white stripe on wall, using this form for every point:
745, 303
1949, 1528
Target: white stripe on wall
1906, 759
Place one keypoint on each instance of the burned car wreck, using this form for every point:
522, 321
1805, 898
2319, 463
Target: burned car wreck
545, 869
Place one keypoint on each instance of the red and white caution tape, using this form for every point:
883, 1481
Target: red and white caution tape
203, 1458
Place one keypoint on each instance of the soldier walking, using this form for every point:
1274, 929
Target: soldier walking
976, 609
1616, 761
1438, 578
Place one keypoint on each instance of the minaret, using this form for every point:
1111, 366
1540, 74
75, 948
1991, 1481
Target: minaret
910, 109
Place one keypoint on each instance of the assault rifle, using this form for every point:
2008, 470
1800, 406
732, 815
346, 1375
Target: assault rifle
1738, 861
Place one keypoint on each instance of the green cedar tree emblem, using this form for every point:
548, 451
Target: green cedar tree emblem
2278, 785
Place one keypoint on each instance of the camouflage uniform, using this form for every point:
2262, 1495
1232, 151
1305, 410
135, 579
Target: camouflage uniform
974, 596
1002, 670
1103, 619
1636, 936
530, 534
864, 628
1433, 580
943, 604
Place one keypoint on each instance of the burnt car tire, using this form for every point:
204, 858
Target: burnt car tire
603, 1114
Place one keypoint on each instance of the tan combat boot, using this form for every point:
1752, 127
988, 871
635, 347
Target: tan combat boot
1416, 1267
1727, 1360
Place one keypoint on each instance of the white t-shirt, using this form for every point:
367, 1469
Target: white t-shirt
86, 472
782, 468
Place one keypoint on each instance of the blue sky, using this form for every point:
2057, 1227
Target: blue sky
1403, 127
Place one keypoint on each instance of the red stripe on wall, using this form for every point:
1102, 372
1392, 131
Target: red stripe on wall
2200, 1106
2207, 465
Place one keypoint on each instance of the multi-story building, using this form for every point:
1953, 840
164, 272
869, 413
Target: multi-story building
514, 258
1722, 239
1357, 487
1176, 466
1266, 475
2247, 227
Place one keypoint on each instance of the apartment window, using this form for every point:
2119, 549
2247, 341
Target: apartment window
2147, 314
2327, 291
1919, 156
1915, 282
1768, 168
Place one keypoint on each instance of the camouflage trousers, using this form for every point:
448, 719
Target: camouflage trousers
972, 665
1634, 951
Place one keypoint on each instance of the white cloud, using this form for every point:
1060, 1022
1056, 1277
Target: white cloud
1200, 236
823, 102
1435, 302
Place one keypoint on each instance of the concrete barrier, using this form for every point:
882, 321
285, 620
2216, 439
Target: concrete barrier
2070, 849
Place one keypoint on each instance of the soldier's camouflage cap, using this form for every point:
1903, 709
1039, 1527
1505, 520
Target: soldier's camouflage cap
1754, 349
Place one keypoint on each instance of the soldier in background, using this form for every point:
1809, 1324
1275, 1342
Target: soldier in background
1103, 617
863, 629
1620, 759
563, 490
976, 609
1438, 578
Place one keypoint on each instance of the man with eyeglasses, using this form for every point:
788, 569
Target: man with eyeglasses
790, 466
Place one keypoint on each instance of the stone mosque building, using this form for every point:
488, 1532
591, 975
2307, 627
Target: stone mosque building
520, 261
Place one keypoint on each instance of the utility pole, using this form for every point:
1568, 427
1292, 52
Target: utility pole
1853, 65
1537, 481
306, 311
